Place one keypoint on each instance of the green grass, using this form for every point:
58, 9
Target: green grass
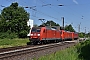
79, 52
67, 54
4, 43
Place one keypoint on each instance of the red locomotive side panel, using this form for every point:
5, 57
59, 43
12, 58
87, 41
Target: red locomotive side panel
49, 34
43, 34
71, 37
66, 35
58, 34
62, 34
75, 35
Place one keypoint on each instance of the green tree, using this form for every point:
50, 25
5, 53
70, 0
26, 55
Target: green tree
81, 35
88, 34
14, 19
50, 23
35, 25
69, 28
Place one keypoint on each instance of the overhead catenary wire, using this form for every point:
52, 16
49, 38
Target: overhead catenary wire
42, 13
51, 7
54, 9
73, 9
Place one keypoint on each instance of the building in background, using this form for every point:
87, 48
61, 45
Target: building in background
30, 24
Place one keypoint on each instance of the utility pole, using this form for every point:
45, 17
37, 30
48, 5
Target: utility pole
50, 23
79, 28
78, 31
63, 22
85, 32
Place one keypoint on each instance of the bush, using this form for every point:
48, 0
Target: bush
11, 35
23, 34
8, 35
84, 50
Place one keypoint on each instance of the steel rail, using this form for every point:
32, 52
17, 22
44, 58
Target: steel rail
31, 49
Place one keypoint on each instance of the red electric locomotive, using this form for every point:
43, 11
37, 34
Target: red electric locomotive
40, 35
44, 34
66, 35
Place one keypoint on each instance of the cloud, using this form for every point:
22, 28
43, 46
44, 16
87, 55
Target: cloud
75, 1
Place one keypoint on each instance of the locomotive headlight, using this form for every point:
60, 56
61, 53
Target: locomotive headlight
38, 34
31, 34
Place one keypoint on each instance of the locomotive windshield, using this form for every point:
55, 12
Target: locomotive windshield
35, 30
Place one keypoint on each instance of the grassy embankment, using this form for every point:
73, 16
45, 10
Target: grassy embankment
4, 43
79, 52
67, 54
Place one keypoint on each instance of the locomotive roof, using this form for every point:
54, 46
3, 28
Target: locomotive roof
37, 27
47, 27
51, 28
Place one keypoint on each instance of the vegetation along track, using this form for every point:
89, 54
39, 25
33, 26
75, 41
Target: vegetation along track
11, 52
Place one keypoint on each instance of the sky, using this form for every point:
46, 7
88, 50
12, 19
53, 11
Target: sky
75, 12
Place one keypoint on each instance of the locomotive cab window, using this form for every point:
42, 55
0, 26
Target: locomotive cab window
38, 30
35, 30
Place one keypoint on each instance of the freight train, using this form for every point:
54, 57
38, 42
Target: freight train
43, 35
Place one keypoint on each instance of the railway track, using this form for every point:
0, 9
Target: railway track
13, 48
17, 51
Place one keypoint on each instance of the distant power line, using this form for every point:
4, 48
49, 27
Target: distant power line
2, 6
42, 13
